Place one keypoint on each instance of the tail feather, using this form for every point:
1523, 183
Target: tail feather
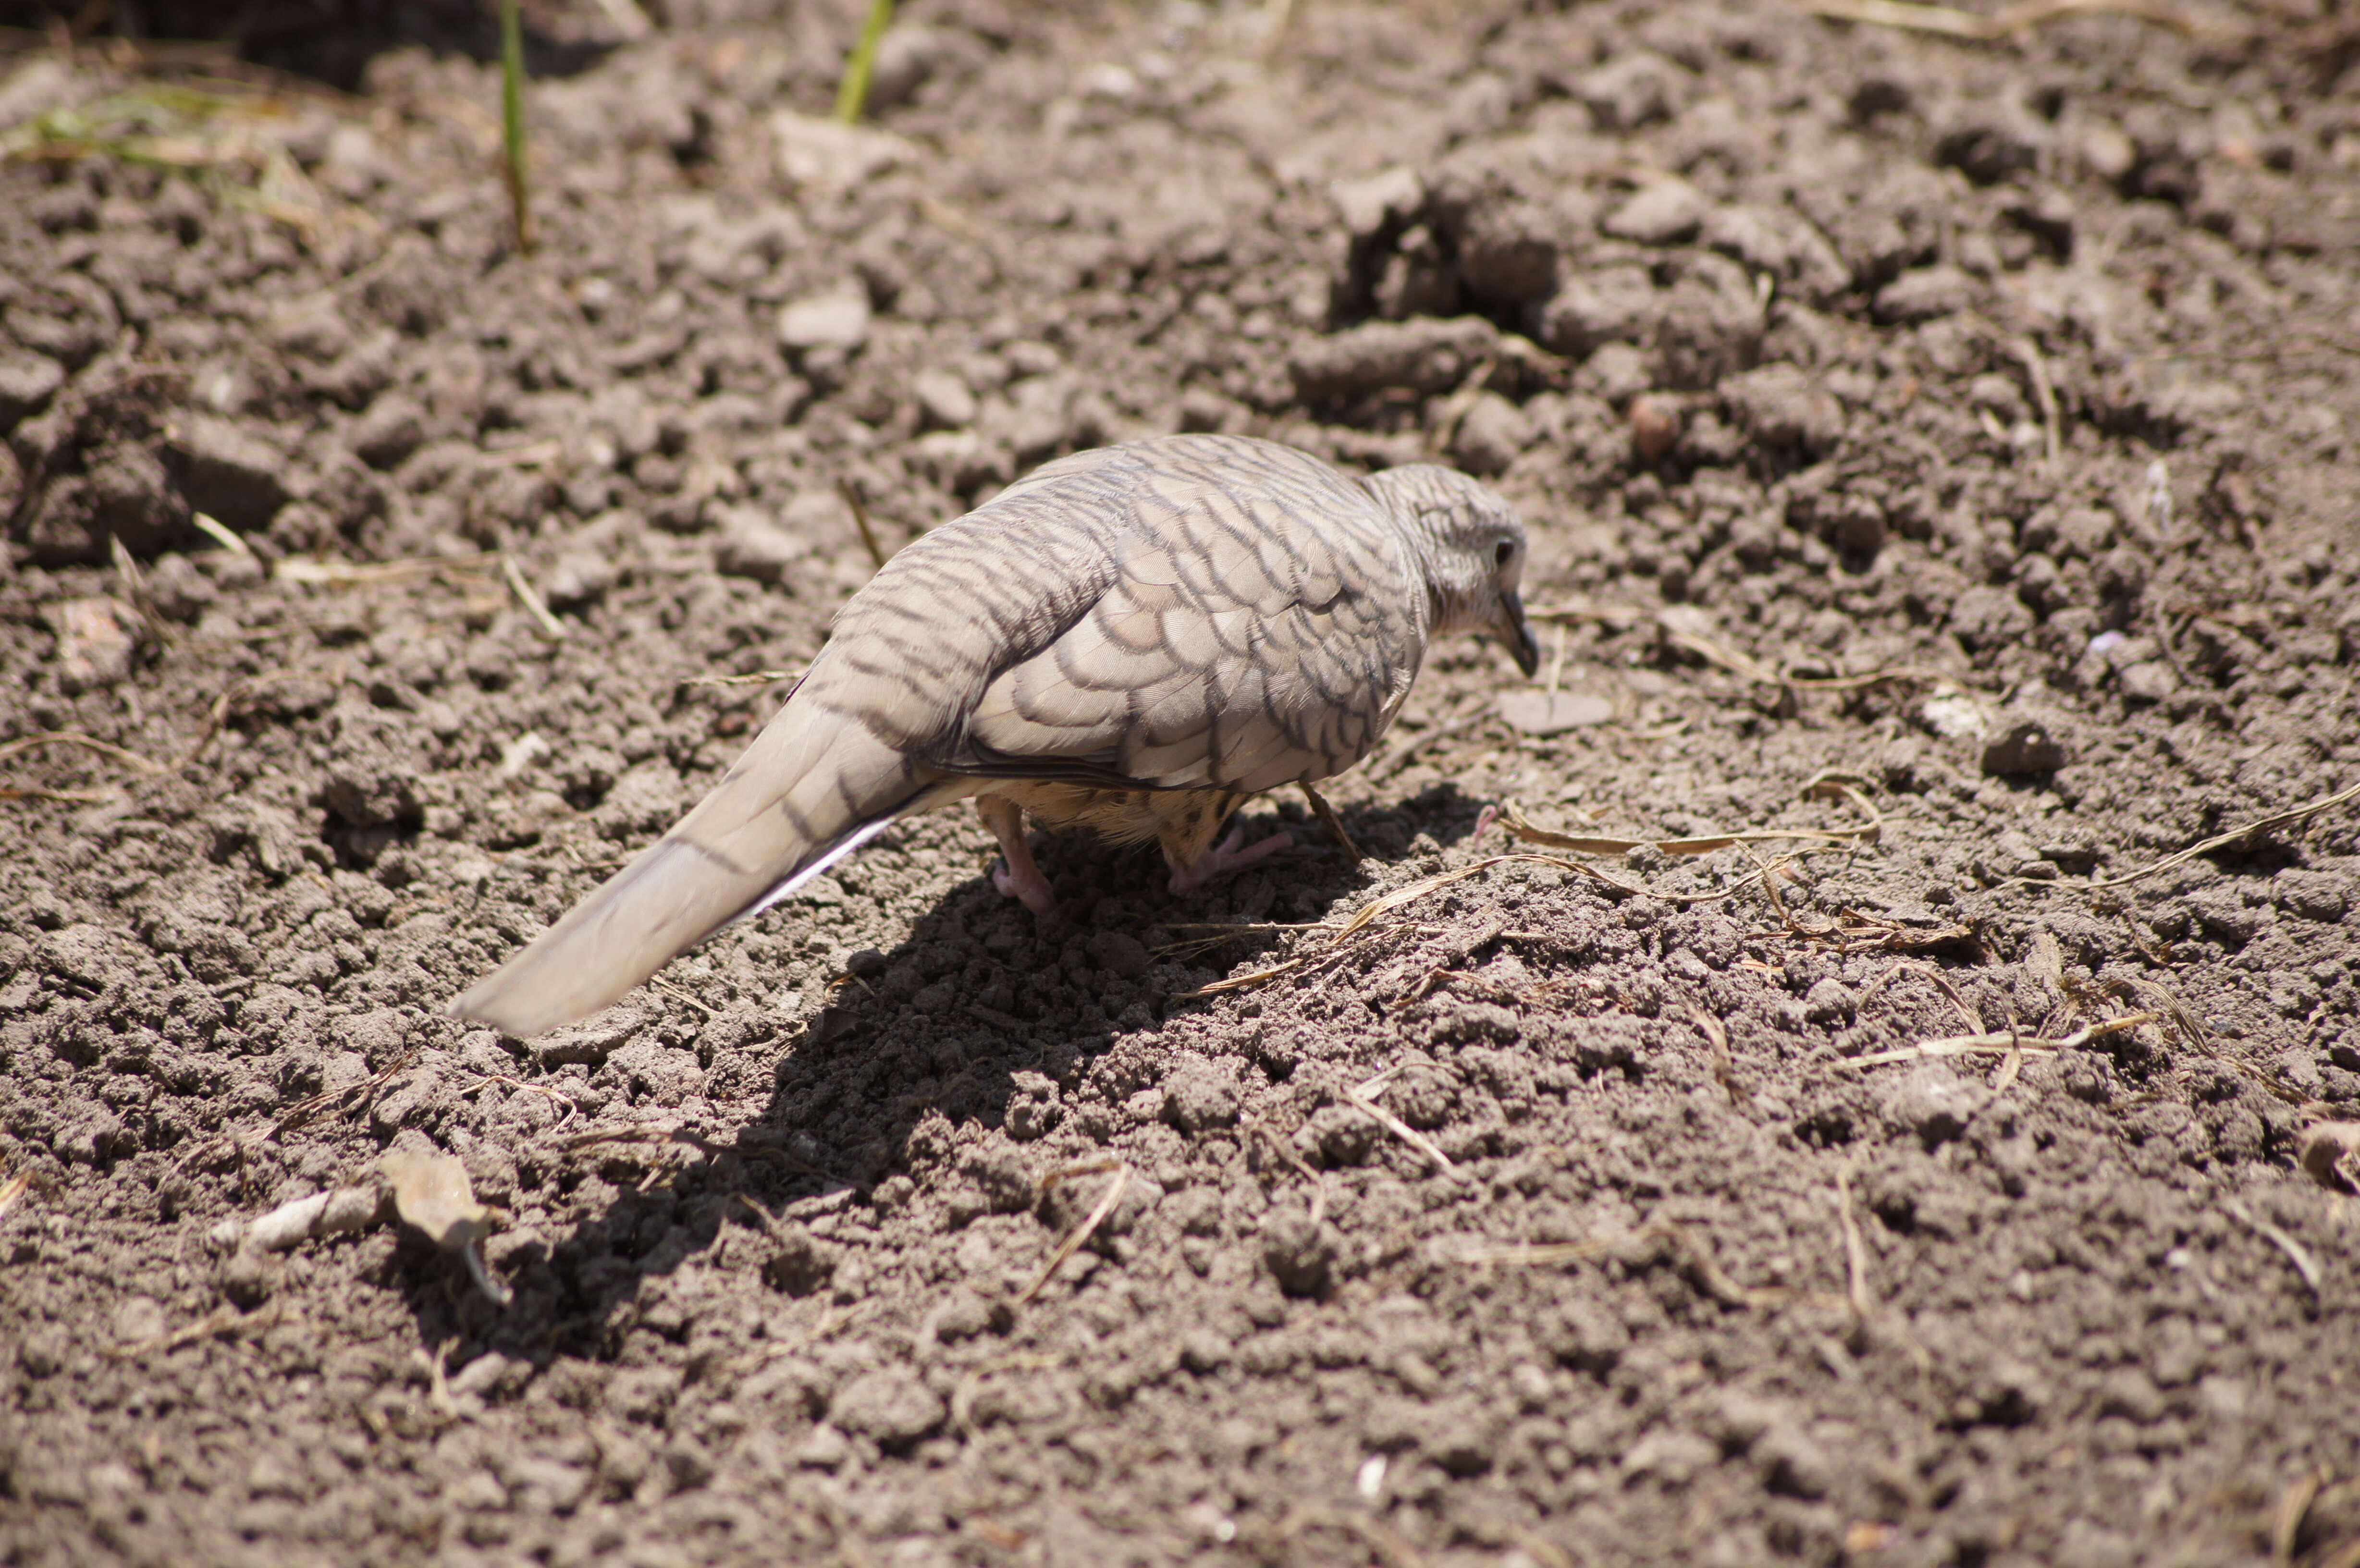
813, 788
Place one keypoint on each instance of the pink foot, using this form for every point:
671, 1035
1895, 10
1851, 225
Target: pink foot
1226, 858
1016, 876
1024, 884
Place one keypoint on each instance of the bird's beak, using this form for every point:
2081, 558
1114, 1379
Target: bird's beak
1516, 636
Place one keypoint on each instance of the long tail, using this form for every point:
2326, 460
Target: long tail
813, 788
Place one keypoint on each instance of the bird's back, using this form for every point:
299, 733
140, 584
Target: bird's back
1187, 611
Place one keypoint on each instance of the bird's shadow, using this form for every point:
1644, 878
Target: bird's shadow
915, 1046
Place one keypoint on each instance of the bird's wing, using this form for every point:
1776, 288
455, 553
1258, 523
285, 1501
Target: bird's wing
1261, 625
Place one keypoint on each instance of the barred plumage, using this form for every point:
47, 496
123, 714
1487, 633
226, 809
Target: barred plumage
1134, 639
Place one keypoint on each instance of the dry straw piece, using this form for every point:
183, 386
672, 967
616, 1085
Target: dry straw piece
2296, 1253
1855, 1250
861, 519
1360, 1097
1365, 918
1082, 1232
534, 604
2004, 1044
1513, 818
2236, 835
1949, 21
90, 743
1679, 631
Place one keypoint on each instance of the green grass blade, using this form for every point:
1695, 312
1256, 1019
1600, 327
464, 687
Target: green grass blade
512, 120
852, 97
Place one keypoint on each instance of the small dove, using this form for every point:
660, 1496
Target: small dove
1132, 639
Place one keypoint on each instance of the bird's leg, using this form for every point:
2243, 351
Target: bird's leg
1224, 859
1016, 876
1336, 824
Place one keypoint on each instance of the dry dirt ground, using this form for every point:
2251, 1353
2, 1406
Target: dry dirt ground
1946, 438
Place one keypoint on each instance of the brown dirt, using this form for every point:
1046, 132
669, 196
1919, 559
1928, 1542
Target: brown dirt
2024, 369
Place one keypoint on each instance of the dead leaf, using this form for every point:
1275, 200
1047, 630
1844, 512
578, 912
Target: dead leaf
1549, 712
431, 1192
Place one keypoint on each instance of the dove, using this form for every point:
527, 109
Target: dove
1132, 639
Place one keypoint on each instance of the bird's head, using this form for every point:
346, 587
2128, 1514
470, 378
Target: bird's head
1471, 544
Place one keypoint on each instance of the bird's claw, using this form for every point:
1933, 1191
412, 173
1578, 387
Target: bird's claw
1026, 886
1226, 857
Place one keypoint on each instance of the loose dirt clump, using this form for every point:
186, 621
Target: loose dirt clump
1777, 1088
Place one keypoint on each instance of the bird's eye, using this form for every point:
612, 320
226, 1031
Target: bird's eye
1506, 552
